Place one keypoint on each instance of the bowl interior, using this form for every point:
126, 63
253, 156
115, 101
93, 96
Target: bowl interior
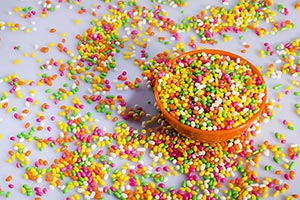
214, 135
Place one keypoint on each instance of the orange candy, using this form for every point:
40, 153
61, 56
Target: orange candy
8, 179
52, 30
44, 49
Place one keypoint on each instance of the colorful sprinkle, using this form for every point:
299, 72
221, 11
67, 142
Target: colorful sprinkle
77, 113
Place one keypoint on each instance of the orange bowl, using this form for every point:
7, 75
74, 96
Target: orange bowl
211, 136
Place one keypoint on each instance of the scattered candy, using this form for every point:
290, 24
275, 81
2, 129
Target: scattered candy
66, 106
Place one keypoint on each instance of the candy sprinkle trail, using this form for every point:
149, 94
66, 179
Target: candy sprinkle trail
78, 119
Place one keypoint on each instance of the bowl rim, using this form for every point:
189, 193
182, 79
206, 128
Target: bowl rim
215, 133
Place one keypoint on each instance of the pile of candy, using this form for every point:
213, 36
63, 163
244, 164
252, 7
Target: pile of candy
210, 91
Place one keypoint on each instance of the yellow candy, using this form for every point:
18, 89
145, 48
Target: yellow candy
16, 62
